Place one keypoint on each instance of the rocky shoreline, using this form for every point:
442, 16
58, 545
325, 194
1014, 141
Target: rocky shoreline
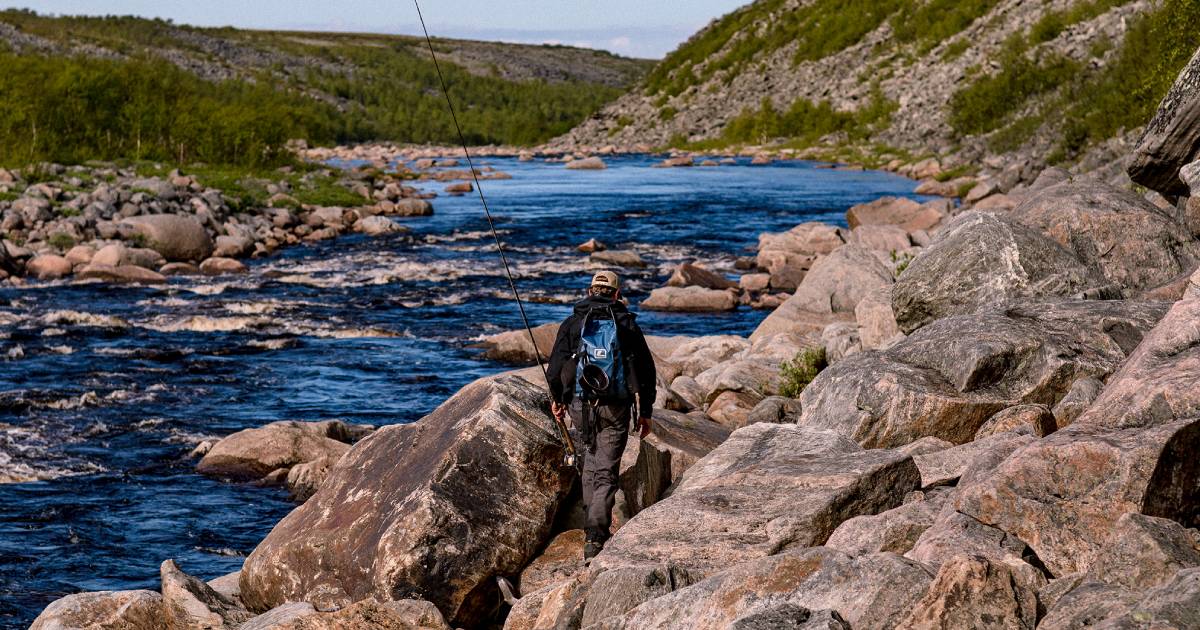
992, 423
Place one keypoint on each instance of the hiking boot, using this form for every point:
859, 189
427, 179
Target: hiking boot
591, 548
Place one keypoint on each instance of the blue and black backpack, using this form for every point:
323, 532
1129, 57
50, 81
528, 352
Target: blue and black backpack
600, 369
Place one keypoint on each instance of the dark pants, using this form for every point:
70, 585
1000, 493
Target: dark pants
601, 462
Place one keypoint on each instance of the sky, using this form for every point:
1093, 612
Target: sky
636, 28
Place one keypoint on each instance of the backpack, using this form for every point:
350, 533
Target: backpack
600, 368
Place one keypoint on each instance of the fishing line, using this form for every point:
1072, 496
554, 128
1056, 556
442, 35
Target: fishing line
492, 225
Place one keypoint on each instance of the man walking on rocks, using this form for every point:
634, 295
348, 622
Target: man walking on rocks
600, 370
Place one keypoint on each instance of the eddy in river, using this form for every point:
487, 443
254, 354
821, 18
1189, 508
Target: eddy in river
600, 369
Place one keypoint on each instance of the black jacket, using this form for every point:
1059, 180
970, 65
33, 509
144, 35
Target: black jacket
639, 363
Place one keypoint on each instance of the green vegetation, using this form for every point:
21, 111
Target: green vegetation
804, 122
985, 104
324, 88
1126, 92
1052, 24
927, 23
820, 28
60, 241
1087, 105
797, 373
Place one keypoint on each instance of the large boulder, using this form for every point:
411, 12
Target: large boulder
697, 355
256, 453
176, 237
190, 603
691, 299
766, 489
895, 530
829, 292
785, 591
787, 256
948, 378
1063, 495
676, 442
101, 610
690, 275
1172, 138
434, 509
1131, 241
1175, 604
48, 267
898, 211
131, 274
981, 259
974, 592
514, 346
1158, 382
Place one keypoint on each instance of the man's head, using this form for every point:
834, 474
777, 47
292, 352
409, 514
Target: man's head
605, 284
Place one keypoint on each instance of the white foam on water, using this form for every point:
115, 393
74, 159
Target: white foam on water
252, 308
207, 289
204, 323
15, 352
53, 332
87, 399
80, 318
8, 319
62, 349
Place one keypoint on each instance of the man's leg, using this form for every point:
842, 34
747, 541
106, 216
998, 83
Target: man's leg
601, 467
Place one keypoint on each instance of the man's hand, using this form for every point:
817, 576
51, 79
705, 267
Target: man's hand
558, 409
643, 428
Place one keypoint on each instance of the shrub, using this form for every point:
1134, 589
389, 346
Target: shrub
61, 241
797, 373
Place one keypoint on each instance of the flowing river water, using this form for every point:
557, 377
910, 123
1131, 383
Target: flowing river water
105, 389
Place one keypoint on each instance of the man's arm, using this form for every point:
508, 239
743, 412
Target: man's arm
560, 354
647, 377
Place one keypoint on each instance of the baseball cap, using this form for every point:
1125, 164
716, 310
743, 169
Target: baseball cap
606, 279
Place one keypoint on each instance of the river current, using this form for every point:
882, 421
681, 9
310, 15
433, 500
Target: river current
105, 389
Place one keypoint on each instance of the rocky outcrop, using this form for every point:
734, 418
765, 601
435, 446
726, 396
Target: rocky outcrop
258, 453
1172, 138
1063, 494
901, 212
1134, 244
974, 592
691, 275
982, 259
472, 497
766, 489
1157, 383
676, 442
948, 378
787, 590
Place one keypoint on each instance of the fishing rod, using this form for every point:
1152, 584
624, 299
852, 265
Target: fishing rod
571, 457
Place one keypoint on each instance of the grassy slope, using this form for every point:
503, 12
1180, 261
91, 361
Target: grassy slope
106, 88
1008, 106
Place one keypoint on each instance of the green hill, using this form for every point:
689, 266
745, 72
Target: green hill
1046, 79
80, 88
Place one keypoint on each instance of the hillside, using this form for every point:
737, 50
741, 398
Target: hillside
78, 88
1046, 80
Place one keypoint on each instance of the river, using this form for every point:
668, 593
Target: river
105, 389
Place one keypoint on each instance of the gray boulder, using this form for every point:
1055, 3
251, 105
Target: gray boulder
1158, 382
829, 292
176, 237
982, 259
472, 497
783, 591
1172, 138
127, 610
690, 299
766, 489
948, 378
1133, 243
256, 453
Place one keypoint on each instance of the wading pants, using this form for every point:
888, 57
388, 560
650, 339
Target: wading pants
601, 461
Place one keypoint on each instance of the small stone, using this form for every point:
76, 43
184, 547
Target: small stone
216, 266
